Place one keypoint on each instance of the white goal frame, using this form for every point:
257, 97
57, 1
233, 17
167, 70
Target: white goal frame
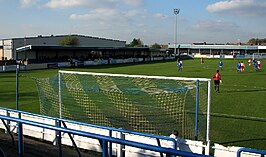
208, 115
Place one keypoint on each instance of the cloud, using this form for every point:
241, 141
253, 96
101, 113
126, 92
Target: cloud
107, 19
229, 5
101, 10
133, 2
160, 16
65, 4
28, 3
114, 18
215, 26
239, 7
131, 13
96, 14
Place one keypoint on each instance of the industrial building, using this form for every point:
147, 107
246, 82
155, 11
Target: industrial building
42, 52
217, 50
43, 49
8, 47
48, 52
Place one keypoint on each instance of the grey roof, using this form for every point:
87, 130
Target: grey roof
55, 36
224, 47
30, 47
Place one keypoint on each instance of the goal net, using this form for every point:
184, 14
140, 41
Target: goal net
149, 104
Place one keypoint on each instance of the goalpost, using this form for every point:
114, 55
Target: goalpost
150, 104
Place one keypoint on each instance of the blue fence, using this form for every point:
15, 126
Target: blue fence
260, 152
96, 126
104, 139
248, 56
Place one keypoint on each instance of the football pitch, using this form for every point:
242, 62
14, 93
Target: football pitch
238, 111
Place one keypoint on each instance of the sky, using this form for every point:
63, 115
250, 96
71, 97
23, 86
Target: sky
152, 21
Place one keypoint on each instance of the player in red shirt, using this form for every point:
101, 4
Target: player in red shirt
217, 79
258, 62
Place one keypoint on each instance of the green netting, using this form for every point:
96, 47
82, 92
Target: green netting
147, 105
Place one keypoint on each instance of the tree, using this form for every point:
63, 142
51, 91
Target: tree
136, 43
257, 41
69, 41
156, 46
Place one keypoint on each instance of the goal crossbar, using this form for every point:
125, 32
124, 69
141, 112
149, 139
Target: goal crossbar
135, 76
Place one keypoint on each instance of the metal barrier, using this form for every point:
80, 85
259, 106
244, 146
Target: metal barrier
261, 152
96, 126
104, 139
110, 129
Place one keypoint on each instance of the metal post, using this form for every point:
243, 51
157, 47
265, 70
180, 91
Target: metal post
20, 129
72, 139
110, 144
17, 86
120, 147
59, 139
176, 12
3, 50
197, 110
7, 122
207, 150
60, 94
104, 149
8, 131
20, 140
159, 144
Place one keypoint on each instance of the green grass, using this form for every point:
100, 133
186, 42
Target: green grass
241, 94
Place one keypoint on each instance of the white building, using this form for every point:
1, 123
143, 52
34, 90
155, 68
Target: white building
213, 49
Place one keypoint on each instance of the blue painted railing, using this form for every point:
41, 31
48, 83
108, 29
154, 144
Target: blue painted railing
104, 139
260, 152
92, 125
157, 137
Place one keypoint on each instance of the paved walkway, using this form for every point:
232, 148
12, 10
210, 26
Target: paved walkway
37, 148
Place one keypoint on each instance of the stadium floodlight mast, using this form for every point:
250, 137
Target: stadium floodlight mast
176, 12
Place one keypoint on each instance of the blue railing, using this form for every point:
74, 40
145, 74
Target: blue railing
261, 152
94, 126
110, 129
104, 139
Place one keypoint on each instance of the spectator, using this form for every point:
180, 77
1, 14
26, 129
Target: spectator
178, 140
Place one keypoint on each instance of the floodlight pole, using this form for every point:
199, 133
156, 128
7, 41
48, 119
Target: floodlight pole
176, 12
